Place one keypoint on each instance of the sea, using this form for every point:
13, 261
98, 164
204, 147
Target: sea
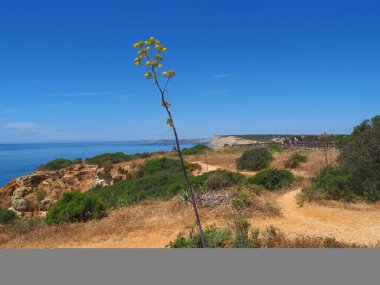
21, 159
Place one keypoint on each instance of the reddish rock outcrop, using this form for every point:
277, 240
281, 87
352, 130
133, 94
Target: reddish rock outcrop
39, 190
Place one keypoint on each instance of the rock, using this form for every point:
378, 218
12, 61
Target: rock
19, 204
98, 183
46, 204
212, 200
34, 180
20, 193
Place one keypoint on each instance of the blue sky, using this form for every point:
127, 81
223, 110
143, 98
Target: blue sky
242, 67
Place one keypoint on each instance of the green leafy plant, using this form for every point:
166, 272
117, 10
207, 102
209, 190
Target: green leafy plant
159, 178
113, 158
217, 179
7, 216
255, 159
242, 200
151, 52
215, 238
330, 183
273, 179
198, 149
56, 164
76, 207
295, 160
274, 148
360, 158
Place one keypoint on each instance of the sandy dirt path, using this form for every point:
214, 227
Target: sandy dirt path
350, 225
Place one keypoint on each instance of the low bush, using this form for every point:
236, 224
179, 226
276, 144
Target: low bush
217, 179
273, 179
274, 148
76, 207
330, 183
360, 158
295, 160
214, 238
114, 158
242, 237
7, 216
160, 178
56, 164
198, 149
25, 226
242, 200
255, 159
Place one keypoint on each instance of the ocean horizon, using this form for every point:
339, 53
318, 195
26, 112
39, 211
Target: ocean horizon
20, 159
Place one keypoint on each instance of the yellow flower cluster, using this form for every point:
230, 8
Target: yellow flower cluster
169, 73
151, 62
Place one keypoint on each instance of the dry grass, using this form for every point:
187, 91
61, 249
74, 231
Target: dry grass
316, 160
226, 159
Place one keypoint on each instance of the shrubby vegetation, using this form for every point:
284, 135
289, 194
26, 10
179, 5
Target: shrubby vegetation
360, 158
274, 148
217, 179
7, 216
242, 200
273, 179
76, 207
358, 172
330, 183
56, 164
112, 158
24, 226
198, 149
295, 160
242, 236
214, 237
158, 178
255, 159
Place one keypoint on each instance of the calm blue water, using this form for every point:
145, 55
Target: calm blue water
21, 159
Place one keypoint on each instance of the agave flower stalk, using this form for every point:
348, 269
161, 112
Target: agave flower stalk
153, 64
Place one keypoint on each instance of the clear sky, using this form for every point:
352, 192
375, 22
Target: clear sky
242, 67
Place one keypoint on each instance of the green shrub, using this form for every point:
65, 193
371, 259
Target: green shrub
330, 183
242, 237
242, 200
160, 164
217, 179
255, 159
274, 148
273, 179
360, 158
77, 161
76, 207
56, 164
160, 178
295, 160
113, 158
7, 216
214, 237
198, 149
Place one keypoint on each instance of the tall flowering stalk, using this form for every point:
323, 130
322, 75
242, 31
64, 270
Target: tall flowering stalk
150, 53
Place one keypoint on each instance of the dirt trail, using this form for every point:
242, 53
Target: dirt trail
351, 225
361, 225
208, 167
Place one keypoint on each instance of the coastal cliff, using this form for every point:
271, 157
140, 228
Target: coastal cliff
221, 141
41, 189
